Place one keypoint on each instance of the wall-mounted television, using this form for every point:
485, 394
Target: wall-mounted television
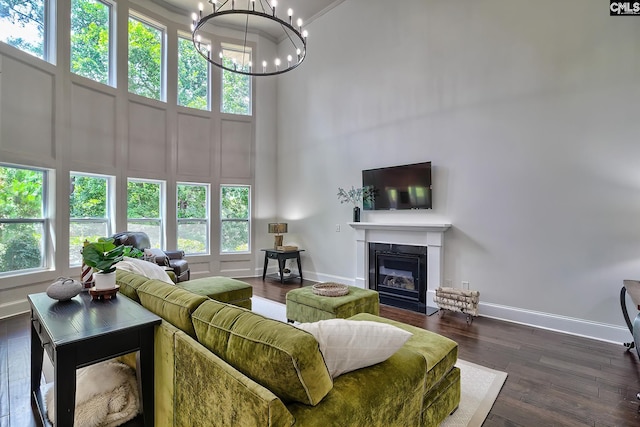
399, 187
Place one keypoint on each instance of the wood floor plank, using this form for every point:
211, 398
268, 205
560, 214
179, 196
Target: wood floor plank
527, 414
19, 354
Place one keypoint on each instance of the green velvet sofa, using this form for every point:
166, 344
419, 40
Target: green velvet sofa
217, 364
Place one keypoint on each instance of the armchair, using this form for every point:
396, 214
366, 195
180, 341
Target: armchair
175, 260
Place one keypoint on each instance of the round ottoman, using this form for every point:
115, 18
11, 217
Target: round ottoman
304, 306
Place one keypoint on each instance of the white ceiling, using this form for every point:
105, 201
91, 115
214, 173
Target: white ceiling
308, 10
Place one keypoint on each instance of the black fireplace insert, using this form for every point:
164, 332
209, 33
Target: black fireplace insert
399, 274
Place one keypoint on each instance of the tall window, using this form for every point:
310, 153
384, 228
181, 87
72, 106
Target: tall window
24, 24
146, 52
235, 213
23, 219
89, 212
145, 209
193, 75
91, 39
236, 88
193, 218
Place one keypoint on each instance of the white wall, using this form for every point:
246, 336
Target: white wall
51, 118
527, 111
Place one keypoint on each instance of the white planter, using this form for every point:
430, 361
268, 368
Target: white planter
105, 281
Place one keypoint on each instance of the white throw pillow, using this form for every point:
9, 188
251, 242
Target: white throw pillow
348, 345
144, 268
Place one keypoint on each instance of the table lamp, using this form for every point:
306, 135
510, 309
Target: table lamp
278, 228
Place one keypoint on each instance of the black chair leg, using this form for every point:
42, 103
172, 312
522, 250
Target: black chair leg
623, 306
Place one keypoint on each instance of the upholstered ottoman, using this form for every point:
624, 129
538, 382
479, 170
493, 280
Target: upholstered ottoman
305, 306
223, 289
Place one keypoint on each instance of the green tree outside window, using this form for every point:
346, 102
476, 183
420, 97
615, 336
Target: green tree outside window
88, 213
193, 76
25, 20
234, 216
236, 88
21, 218
193, 218
145, 59
144, 209
90, 25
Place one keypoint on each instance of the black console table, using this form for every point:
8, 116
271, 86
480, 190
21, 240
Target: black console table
282, 257
81, 332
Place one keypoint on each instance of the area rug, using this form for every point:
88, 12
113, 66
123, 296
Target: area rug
480, 385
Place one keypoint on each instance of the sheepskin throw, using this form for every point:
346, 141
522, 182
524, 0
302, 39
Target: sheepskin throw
106, 395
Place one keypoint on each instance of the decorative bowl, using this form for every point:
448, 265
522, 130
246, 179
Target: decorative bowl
330, 289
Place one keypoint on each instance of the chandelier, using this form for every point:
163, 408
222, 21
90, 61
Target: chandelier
258, 16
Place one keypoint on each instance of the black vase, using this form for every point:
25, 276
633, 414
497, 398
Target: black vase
356, 214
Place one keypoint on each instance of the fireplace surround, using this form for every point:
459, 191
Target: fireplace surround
429, 235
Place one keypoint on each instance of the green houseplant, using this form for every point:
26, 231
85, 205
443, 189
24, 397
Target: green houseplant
355, 196
102, 256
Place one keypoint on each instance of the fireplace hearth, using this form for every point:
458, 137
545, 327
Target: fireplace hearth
399, 274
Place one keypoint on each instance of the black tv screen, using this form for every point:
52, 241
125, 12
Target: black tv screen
399, 187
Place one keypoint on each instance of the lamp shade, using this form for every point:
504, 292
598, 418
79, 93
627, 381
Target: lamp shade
277, 227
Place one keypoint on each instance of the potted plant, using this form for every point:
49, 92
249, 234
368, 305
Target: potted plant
102, 256
355, 196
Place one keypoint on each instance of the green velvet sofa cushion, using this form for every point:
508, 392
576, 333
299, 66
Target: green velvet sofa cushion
440, 352
129, 283
219, 288
276, 355
387, 394
173, 304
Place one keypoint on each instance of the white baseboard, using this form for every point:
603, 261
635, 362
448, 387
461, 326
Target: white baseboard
330, 278
14, 308
552, 322
558, 323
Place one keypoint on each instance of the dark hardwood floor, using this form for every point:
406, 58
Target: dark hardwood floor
554, 379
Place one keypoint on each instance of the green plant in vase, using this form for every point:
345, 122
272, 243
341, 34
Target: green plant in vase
102, 256
355, 196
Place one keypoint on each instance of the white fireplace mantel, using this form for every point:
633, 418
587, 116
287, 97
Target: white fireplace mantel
400, 226
430, 235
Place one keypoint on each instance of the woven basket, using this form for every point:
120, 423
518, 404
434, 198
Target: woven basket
330, 289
